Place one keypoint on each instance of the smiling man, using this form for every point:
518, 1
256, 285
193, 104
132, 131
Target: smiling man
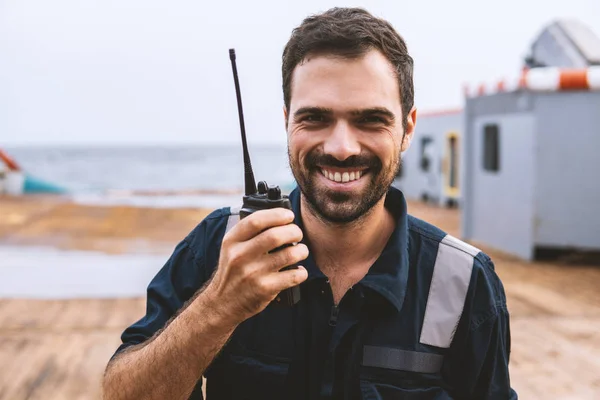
391, 307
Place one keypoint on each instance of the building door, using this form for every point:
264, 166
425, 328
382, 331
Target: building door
501, 189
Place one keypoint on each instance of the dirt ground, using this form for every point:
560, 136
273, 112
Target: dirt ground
57, 349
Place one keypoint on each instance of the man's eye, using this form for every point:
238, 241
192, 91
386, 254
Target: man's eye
314, 118
372, 119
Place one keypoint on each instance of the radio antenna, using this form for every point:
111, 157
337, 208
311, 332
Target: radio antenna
248, 173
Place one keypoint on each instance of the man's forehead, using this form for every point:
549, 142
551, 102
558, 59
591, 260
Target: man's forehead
332, 81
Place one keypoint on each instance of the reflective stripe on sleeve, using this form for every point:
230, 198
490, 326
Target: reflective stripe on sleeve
449, 286
233, 218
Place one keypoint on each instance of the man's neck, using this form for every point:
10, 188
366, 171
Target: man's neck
346, 248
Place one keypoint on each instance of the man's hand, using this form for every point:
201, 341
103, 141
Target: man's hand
248, 277
246, 280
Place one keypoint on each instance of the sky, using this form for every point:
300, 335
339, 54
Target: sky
146, 72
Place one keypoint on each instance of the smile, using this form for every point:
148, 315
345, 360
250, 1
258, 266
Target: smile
342, 177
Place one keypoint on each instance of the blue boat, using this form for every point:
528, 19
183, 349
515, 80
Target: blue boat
24, 183
35, 185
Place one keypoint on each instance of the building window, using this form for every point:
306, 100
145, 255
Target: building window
491, 148
426, 150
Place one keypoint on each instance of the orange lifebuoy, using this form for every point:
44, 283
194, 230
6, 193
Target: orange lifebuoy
10, 163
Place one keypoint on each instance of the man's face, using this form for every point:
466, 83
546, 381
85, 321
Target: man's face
345, 133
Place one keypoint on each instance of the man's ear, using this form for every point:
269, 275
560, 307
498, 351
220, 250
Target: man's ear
411, 122
285, 116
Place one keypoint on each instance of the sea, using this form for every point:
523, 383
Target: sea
158, 176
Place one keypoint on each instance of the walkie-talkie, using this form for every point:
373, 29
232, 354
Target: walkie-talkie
266, 197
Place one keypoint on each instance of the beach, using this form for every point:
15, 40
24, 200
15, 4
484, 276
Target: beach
113, 229
56, 347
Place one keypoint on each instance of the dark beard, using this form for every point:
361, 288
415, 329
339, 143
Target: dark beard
341, 207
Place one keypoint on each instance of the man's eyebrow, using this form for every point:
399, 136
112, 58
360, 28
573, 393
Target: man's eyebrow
373, 111
312, 110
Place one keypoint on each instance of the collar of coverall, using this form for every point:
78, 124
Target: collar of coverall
388, 276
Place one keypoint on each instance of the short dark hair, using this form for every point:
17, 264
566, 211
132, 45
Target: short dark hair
349, 33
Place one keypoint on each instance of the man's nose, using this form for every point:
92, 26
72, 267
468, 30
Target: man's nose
342, 142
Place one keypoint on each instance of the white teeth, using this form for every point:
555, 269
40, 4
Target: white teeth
342, 177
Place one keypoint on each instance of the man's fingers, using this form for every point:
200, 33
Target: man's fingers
275, 237
287, 256
259, 221
275, 282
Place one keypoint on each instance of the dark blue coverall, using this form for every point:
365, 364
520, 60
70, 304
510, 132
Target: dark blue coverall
428, 321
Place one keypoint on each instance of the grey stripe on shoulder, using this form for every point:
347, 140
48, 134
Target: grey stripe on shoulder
449, 286
459, 244
233, 219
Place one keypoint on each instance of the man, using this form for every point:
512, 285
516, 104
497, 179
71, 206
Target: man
390, 308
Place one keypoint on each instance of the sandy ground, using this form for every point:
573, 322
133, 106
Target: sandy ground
57, 349
110, 229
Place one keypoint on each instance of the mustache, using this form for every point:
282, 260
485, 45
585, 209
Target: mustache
359, 161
